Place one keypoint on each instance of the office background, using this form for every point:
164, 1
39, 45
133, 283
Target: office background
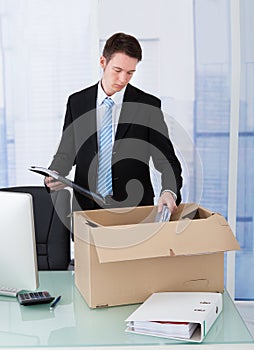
49, 49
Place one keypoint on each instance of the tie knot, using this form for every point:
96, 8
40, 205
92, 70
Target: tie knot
108, 102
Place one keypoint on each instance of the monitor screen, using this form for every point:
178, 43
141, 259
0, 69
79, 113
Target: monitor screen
18, 259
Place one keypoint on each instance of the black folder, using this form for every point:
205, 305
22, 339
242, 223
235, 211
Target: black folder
69, 183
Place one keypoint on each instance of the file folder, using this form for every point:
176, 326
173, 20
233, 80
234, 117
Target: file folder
69, 183
184, 316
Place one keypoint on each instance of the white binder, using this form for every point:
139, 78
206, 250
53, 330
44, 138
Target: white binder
183, 315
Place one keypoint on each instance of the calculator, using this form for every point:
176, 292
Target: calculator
31, 298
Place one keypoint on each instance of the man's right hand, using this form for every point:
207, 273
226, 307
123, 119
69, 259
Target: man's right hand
53, 184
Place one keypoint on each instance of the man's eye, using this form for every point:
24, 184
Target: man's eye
117, 70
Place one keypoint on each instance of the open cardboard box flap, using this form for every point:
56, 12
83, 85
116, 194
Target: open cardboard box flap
194, 231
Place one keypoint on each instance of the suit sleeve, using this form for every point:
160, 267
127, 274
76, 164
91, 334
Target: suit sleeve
163, 155
64, 158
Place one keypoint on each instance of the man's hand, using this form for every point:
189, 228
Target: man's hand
53, 184
167, 199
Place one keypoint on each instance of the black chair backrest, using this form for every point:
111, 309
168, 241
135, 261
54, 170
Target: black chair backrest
52, 221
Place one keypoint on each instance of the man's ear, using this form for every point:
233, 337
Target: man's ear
103, 62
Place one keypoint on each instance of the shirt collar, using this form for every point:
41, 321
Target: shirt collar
117, 97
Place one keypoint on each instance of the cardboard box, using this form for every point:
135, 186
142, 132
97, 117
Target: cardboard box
122, 256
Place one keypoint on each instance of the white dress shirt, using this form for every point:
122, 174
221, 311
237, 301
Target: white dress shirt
116, 109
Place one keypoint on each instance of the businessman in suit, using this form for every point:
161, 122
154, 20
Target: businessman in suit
139, 133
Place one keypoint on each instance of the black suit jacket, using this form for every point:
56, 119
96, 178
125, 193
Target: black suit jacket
141, 134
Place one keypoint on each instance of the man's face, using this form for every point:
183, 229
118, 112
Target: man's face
117, 72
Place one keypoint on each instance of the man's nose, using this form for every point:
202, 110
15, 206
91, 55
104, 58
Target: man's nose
123, 77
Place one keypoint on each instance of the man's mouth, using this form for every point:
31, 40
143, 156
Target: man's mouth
119, 86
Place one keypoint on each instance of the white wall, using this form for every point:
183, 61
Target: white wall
138, 18
171, 22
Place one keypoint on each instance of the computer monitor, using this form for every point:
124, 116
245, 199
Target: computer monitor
18, 259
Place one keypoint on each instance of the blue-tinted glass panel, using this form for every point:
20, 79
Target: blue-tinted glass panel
244, 288
3, 151
213, 150
212, 103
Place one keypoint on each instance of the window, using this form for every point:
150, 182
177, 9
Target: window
43, 58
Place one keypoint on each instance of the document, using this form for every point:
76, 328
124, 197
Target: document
176, 315
67, 182
164, 329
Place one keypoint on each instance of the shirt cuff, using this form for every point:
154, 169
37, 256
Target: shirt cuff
173, 193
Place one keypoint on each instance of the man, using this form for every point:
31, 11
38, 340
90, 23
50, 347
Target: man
138, 132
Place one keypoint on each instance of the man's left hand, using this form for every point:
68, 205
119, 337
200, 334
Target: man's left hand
167, 199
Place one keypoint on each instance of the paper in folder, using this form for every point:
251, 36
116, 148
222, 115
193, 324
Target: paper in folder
184, 316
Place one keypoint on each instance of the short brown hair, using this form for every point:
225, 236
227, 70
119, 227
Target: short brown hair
124, 43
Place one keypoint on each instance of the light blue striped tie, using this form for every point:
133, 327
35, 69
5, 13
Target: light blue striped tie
104, 185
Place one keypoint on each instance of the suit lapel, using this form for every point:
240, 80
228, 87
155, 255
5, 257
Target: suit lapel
128, 112
90, 107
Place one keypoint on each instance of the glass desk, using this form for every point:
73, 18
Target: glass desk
73, 324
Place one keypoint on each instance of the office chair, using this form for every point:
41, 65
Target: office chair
52, 221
